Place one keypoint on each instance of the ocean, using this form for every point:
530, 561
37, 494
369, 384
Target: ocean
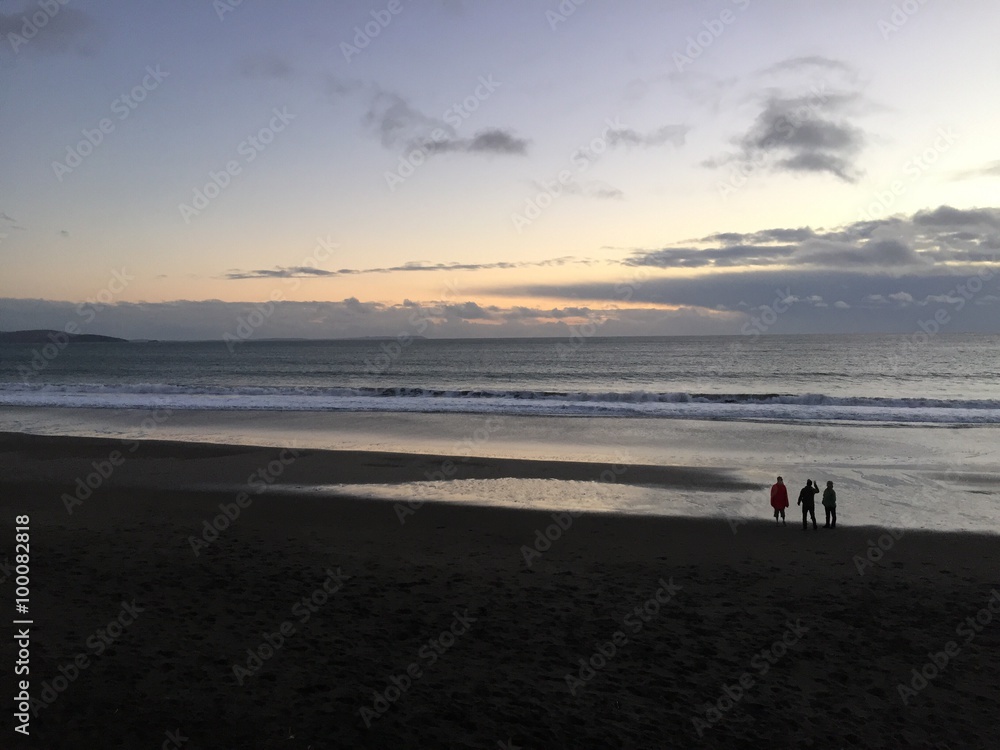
912, 379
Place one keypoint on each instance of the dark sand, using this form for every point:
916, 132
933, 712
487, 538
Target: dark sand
501, 682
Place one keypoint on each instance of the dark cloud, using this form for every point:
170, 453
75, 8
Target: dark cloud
673, 134
876, 253
68, 30
802, 125
803, 134
944, 234
903, 267
946, 216
816, 299
729, 256
266, 66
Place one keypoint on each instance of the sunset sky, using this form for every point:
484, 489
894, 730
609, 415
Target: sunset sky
510, 168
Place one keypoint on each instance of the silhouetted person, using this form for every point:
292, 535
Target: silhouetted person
830, 503
807, 499
779, 499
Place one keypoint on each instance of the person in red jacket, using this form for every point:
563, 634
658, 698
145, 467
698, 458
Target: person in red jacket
779, 499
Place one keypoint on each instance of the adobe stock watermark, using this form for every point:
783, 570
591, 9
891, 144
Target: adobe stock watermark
32, 25
757, 325
419, 321
914, 169
122, 108
87, 310
759, 321
885, 542
363, 35
956, 300
247, 325
563, 521
249, 148
900, 16
174, 740
427, 656
466, 448
705, 38
257, 483
579, 335
968, 629
455, 116
562, 12
302, 611
761, 664
223, 8
103, 469
97, 643
581, 159
634, 621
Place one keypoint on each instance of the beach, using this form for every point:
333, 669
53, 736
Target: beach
205, 605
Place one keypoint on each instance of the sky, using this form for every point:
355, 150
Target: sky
456, 168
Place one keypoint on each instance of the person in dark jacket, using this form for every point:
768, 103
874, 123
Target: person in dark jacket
779, 499
830, 503
807, 499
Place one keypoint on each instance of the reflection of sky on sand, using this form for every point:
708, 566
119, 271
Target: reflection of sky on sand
864, 498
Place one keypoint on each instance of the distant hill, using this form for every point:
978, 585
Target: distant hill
48, 337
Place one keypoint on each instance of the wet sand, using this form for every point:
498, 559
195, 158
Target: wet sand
449, 625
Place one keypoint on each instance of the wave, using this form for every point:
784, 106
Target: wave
680, 405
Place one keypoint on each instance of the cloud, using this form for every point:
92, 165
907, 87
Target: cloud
292, 272
396, 122
266, 66
10, 221
65, 32
883, 253
352, 318
941, 235
593, 189
400, 125
494, 141
989, 170
467, 311
673, 134
942, 257
946, 216
876, 302
803, 134
801, 124
807, 63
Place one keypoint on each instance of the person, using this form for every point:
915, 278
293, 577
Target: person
807, 499
830, 503
779, 499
